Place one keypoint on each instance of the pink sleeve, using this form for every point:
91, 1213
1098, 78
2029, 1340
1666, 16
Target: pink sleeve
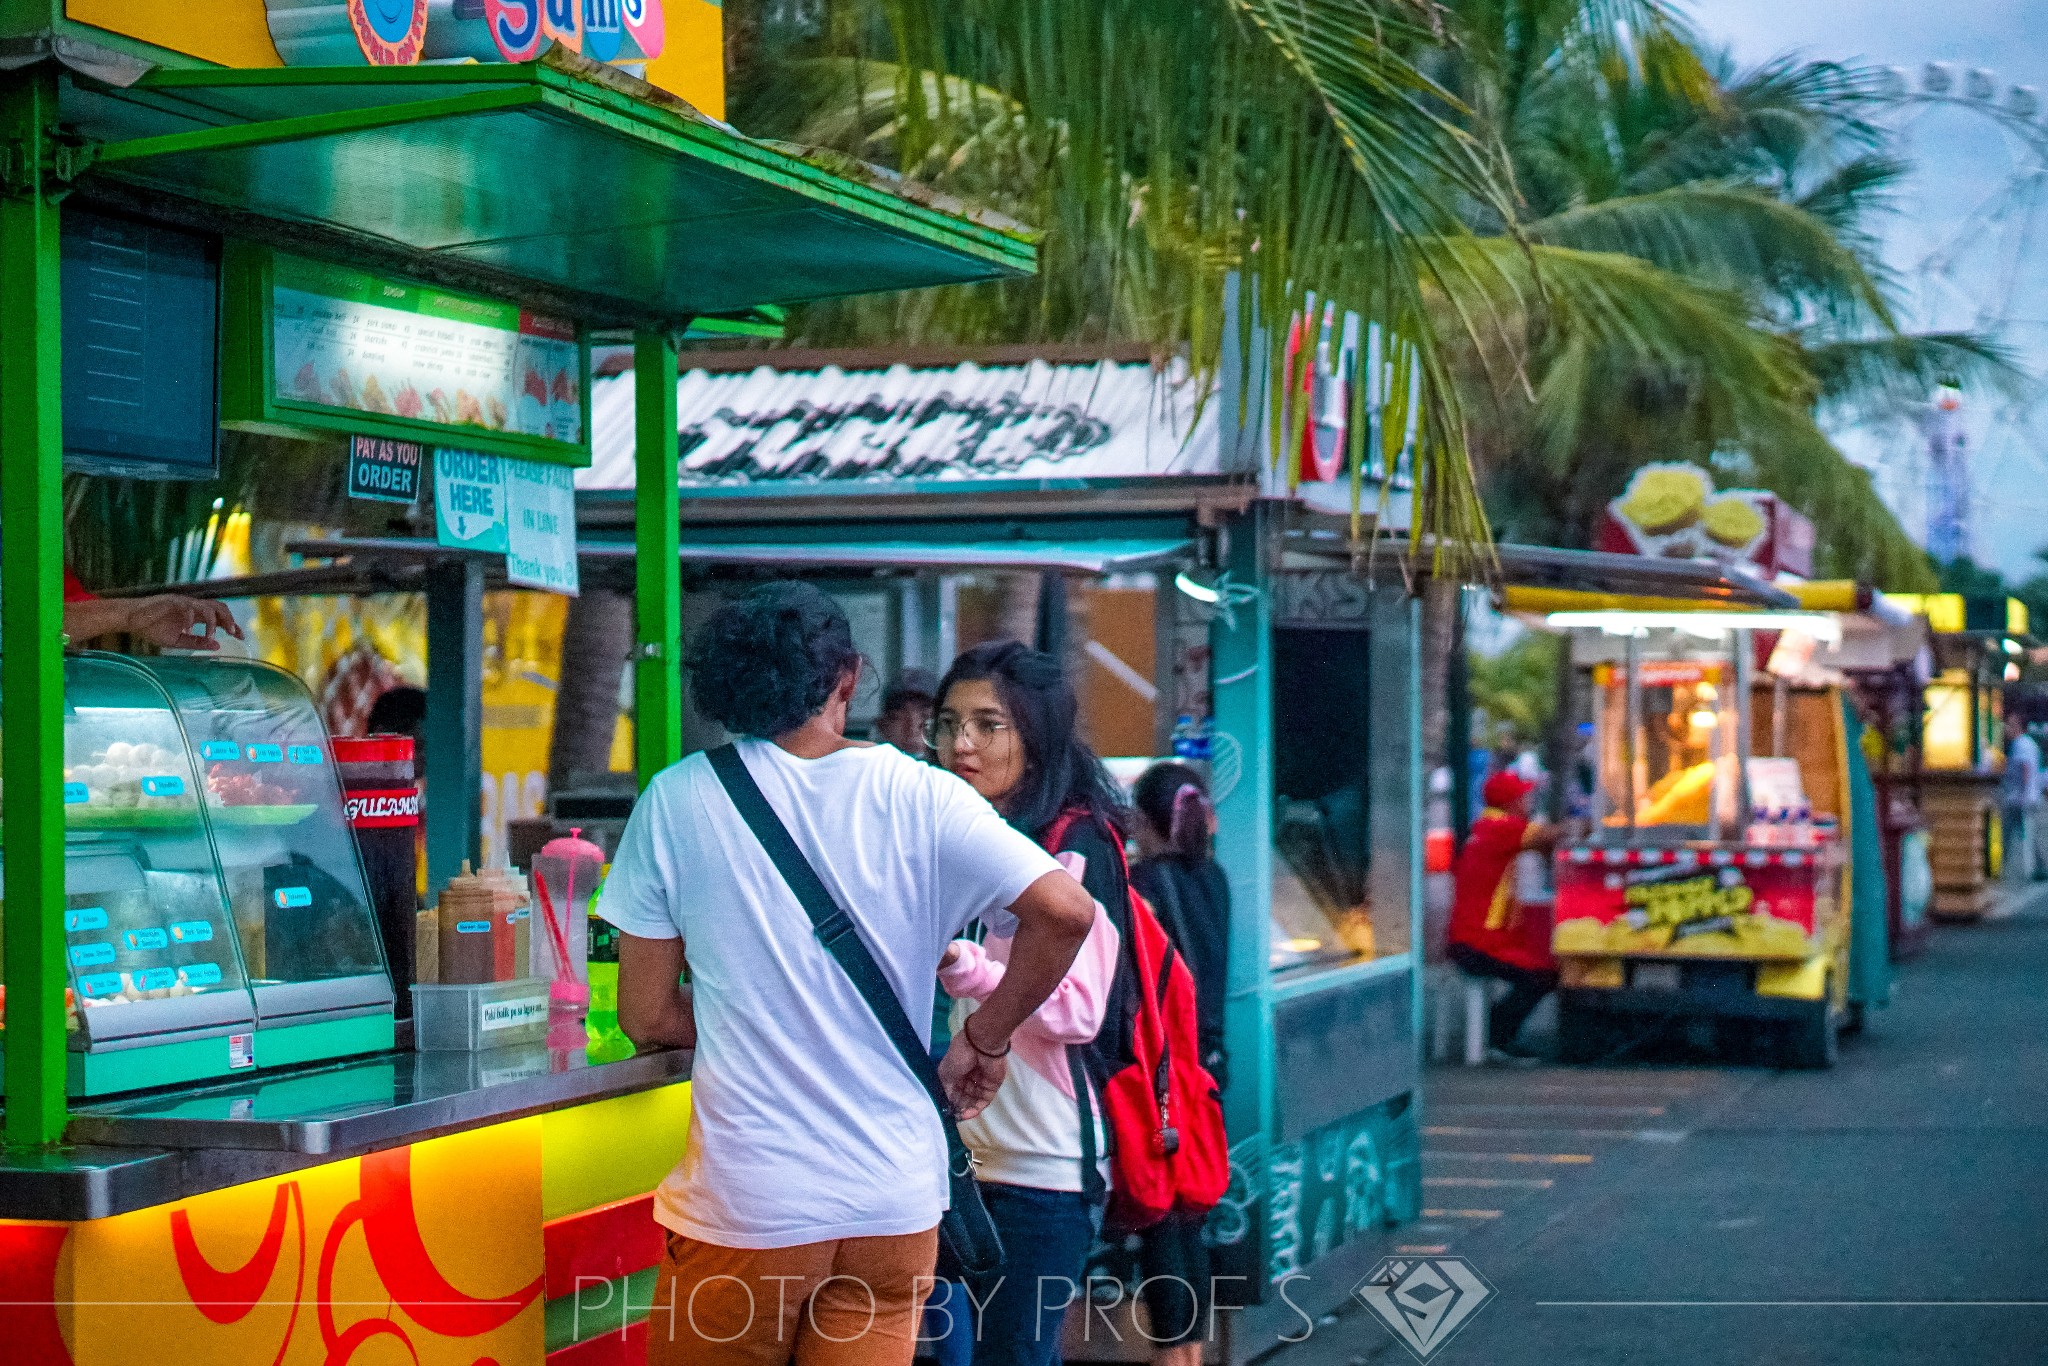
972, 975
1073, 1013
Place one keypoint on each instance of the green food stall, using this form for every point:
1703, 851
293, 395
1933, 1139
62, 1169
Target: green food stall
289, 1179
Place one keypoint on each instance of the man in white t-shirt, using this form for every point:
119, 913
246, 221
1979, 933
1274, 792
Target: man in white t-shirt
2020, 797
805, 1208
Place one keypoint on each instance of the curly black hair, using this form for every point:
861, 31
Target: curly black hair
767, 660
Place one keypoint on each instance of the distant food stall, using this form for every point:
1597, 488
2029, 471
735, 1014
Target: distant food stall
1713, 878
1977, 641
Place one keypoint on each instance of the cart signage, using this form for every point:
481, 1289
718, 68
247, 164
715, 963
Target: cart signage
192, 931
146, 941
1757, 904
74, 793
390, 32
346, 340
292, 898
100, 984
85, 918
496, 1015
383, 471
156, 979
266, 754
540, 535
304, 754
384, 809
93, 955
469, 501
218, 750
200, 974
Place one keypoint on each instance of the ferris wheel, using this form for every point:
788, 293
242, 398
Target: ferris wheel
1982, 272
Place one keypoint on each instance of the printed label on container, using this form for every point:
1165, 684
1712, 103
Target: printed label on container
304, 754
193, 931
472, 927
241, 1050
100, 984
496, 1015
156, 979
163, 785
85, 918
384, 808
200, 974
146, 941
74, 793
91, 955
292, 898
266, 754
220, 750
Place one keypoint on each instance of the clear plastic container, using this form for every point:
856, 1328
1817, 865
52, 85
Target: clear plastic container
566, 876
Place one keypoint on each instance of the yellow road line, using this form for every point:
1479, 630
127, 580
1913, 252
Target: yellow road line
1423, 1249
1519, 1182
1461, 1214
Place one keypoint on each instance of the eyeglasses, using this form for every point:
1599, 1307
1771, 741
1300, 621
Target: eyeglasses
984, 731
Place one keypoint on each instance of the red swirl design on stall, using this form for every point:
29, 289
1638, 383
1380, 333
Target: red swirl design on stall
29, 1254
400, 1255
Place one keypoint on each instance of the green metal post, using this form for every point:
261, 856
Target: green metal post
31, 615
657, 566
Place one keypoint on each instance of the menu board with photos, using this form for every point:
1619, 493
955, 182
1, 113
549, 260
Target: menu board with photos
344, 340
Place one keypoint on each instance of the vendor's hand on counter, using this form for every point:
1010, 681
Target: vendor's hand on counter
970, 1077
174, 622
169, 621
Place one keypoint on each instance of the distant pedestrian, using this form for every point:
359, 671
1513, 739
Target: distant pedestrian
907, 712
2020, 802
1187, 889
1494, 933
802, 1219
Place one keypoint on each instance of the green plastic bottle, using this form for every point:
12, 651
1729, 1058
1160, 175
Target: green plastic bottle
607, 1041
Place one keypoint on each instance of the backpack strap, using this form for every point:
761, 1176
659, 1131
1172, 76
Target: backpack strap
1093, 1188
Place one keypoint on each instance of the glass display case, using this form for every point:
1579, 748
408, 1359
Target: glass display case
295, 885
1666, 760
215, 911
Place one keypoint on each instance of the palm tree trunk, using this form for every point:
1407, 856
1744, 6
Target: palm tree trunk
597, 640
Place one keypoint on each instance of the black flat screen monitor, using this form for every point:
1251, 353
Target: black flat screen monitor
141, 322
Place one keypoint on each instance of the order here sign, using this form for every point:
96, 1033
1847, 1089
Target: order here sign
524, 510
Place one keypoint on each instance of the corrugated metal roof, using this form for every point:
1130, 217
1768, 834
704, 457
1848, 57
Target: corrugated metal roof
776, 429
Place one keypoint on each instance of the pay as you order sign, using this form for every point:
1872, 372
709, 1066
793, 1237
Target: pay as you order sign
384, 471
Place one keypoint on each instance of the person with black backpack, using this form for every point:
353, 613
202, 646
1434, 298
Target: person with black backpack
1181, 880
1006, 721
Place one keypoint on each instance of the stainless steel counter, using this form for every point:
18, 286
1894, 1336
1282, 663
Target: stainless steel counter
140, 1151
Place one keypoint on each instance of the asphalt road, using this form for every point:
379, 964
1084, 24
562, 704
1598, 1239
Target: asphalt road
1893, 1210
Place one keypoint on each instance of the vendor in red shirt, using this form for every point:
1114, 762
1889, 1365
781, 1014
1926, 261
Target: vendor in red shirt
170, 621
1492, 933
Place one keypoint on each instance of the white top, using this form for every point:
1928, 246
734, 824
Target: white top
805, 1124
2023, 770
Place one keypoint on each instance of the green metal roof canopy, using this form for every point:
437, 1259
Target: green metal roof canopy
560, 172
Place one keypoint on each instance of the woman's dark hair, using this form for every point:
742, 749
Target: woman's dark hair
766, 661
1061, 773
1174, 800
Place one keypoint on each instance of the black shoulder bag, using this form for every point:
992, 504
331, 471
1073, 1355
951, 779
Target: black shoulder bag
968, 1232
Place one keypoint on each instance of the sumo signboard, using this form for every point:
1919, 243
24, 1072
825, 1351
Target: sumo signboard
402, 32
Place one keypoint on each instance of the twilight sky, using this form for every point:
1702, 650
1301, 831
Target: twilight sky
1968, 202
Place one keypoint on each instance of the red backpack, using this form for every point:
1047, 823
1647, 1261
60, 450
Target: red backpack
1168, 1149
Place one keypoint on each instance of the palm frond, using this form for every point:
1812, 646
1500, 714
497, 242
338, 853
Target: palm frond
1876, 376
1731, 236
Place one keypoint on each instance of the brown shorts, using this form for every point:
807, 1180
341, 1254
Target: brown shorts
853, 1302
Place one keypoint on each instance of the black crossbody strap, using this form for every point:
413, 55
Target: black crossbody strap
840, 936
1093, 1189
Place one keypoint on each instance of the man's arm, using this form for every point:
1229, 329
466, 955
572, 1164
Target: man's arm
1054, 916
654, 1009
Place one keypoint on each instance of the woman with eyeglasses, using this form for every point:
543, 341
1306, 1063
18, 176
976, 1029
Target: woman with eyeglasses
1005, 721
